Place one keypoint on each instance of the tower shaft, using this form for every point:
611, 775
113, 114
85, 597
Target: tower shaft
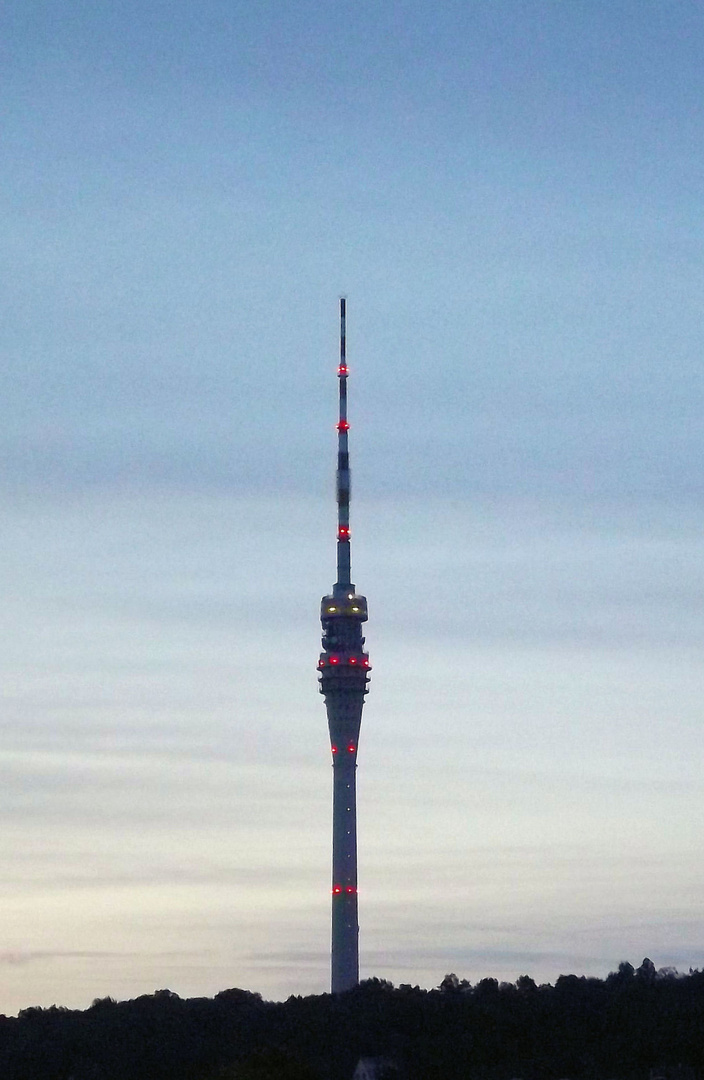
345, 920
344, 673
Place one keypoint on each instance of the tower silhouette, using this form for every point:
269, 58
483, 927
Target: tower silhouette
344, 674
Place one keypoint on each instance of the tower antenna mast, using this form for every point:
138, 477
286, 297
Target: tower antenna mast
343, 460
344, 673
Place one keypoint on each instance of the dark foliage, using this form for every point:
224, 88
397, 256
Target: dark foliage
634, 1025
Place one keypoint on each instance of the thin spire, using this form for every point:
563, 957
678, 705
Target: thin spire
343, 463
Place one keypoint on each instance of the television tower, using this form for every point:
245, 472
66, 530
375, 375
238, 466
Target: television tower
344, 674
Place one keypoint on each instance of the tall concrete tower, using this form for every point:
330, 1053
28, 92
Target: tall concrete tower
344, 674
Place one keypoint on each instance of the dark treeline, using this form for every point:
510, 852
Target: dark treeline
634, 1025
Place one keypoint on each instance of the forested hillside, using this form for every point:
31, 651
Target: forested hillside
634, 1025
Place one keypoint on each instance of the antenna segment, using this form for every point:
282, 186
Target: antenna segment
343, 463
344, 673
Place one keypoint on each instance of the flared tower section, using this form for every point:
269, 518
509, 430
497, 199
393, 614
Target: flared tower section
344, 673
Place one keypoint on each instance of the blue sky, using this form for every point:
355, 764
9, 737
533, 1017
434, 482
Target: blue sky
509, 195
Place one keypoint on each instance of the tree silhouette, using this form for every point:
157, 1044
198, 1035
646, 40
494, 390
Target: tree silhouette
637, 1024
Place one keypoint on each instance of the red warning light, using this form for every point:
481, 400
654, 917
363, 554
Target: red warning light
351, 748
365, 662
352, 660
321, 662
343, 370
343, 533
334, 749
350, 890
336, 890
343, 425
334, 659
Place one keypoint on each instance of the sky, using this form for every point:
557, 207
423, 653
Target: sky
508, 192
